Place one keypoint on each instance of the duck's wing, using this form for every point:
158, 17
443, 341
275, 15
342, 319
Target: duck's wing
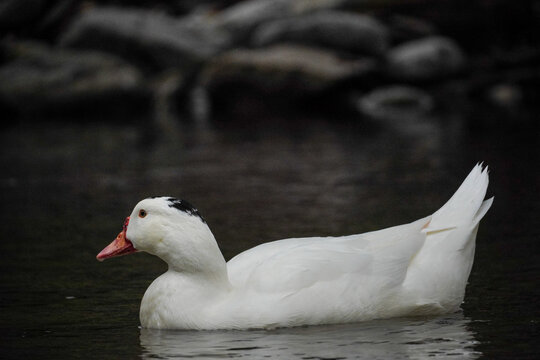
293, 264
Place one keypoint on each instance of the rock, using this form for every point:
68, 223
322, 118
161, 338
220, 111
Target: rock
395, 103
242, 18
425, 59
407, 28
56, 18
39, 79
333, 29
146, 37
246, 15
505, 95
282, 71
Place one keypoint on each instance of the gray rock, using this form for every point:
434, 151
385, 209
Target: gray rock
283, 70
407, 28
333, 29
38, 78
395, 102
242, 18
425, 59
505, 95
146, 37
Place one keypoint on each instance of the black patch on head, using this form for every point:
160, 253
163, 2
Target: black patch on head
184, 206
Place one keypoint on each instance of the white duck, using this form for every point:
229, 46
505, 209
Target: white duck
411, 269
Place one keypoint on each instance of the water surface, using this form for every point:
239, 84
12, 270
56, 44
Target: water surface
67, 188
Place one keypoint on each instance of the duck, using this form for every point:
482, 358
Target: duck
416, 269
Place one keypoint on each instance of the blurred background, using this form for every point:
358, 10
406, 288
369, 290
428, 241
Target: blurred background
276, 118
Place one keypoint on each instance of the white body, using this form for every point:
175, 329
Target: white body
416, 268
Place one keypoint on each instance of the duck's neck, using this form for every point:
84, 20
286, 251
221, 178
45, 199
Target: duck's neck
216, 272
197, 279
199, 256
181, 300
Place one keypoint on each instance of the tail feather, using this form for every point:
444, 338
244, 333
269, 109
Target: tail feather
483, 210
466, 205
438, 274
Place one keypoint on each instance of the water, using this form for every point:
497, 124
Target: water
396, 339
67, 188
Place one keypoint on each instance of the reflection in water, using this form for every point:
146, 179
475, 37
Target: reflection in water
383, 339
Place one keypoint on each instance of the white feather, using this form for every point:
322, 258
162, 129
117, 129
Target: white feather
417, 268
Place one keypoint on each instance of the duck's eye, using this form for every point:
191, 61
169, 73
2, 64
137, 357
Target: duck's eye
142, 213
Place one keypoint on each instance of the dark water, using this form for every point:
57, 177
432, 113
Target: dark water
67, 188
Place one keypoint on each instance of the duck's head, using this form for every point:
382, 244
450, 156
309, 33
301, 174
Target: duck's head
166, 227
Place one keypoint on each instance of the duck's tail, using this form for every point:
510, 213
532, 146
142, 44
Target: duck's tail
438, 273
466, 207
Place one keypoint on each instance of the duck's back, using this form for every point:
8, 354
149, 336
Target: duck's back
291, 265
326, 280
